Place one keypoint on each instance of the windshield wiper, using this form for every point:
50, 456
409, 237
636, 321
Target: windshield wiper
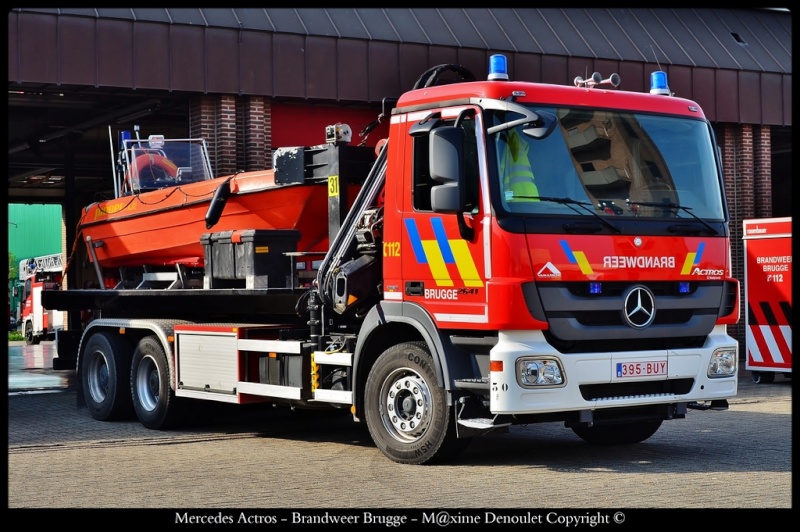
569, 202
676, 206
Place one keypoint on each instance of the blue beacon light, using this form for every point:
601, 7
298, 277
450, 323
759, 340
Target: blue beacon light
498, 68
658, 83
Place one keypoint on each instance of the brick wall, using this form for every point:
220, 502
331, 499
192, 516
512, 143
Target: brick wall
762, 171
256, 142
236, 130
747, 172
225, 142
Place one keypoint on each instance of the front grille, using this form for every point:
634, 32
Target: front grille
594, 392
580, 320
664, 317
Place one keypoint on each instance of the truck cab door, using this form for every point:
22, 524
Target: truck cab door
446, 269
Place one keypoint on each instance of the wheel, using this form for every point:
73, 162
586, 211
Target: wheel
406, 412
153, 398
619, 434
30, 338
763, 377
105, 365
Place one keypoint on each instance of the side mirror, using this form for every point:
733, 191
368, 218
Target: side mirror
446, 167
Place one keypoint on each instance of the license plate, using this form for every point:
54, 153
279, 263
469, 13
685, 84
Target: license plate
648, 368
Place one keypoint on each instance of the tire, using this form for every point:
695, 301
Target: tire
619, 434
153, 398
406, 411
30, 338
763, 377
105, 366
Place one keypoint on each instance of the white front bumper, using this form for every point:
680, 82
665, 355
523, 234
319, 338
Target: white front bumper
508, 396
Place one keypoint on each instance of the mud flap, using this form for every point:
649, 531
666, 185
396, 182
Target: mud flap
67, 343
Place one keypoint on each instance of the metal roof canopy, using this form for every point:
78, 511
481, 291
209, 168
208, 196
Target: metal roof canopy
742, 39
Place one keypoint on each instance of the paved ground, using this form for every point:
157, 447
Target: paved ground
59, 457
30, 367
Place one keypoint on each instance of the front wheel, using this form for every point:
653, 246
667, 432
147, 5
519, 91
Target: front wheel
406, 411
153, 398
763, 377
30, 338
619, 434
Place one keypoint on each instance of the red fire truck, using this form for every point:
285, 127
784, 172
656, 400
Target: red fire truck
37, 275
451, 303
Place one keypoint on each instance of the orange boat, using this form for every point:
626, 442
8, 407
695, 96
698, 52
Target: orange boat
166, 199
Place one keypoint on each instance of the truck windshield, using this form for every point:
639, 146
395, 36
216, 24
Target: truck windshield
615, 163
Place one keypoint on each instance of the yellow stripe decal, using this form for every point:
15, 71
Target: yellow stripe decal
436, 263
583, 263
465, 264
687, 265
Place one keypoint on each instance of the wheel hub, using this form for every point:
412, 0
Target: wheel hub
154, 383
408, 403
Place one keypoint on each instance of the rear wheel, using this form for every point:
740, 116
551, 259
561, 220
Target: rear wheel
406, 411
619, 434
105, 365
153, 398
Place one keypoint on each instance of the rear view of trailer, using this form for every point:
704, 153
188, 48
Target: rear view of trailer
768, 297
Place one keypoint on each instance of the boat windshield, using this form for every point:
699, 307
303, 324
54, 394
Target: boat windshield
155, 163
608, 163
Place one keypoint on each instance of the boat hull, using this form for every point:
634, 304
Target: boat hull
164, 227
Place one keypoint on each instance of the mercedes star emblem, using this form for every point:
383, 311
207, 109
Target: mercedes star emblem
640, 307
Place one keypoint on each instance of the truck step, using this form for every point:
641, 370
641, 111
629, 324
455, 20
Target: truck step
482, 423
473, 384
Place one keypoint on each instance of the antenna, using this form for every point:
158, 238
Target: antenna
655, 57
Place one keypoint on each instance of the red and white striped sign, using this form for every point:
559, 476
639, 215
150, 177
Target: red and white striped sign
768, 294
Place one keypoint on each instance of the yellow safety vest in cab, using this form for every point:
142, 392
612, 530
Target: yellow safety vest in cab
515, 169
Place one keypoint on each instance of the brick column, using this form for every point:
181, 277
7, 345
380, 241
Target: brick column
268, 133
738, 173
203, 125
226, 136
213, 118
258, 154
762, 171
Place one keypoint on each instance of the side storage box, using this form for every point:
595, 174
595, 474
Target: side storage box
284, 370
218, 255
253, 258
261, 257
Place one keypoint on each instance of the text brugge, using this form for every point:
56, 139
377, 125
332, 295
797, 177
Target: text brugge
325, 518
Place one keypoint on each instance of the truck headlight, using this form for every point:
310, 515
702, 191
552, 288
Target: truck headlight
722, 363
533, 372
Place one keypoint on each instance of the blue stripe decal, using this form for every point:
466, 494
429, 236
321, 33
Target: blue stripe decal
441, 238
700, 249
568, 251
416, 241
